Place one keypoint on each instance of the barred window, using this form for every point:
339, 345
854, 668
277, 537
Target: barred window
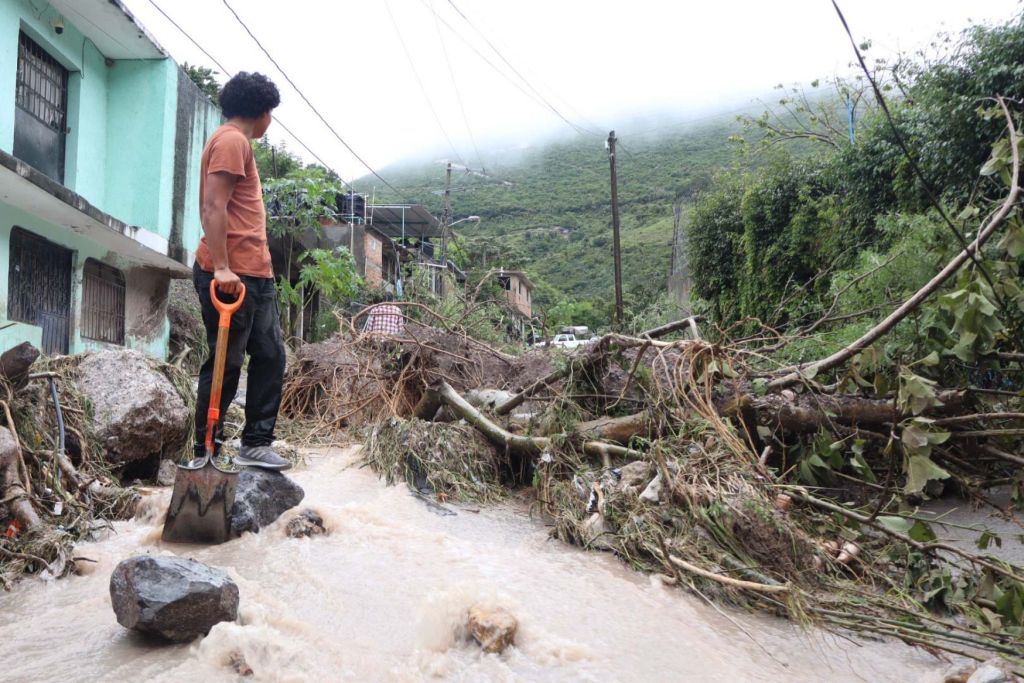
103, 303
40, 117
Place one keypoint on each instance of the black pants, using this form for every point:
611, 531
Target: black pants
255, 330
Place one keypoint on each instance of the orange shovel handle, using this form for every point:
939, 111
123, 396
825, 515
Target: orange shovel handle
226, 310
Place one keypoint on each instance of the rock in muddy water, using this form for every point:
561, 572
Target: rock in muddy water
494, 629
166, 474
262, 496
170, 597
994, 670
306, 523
137, 411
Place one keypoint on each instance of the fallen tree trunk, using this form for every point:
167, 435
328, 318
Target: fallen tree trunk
523, 445
12, 490
620, 430
808, 413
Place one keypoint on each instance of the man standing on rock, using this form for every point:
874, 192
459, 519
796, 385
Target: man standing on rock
233, 251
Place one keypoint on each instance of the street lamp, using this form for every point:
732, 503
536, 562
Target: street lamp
475, 219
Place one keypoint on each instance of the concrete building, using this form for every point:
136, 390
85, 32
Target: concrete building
518, 290
100, 139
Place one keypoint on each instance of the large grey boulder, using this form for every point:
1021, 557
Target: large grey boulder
261, 496
170, 597
137, 412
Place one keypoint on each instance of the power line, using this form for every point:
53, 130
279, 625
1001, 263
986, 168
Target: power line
423, 89
310, 104
455, 84
550, 106
227, 72
490, 63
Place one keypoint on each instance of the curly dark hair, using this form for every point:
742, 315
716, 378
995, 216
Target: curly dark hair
248, 95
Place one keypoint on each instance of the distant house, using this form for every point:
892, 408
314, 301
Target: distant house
518, 290
100, 139
389, 242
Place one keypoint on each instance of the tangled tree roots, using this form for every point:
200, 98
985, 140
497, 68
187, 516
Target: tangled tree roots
53, 498
453, 461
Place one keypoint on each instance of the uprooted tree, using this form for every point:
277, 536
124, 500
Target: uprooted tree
745, 465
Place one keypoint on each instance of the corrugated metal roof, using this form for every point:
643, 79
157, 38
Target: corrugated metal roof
388, 219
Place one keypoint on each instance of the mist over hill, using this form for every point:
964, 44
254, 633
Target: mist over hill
545, 207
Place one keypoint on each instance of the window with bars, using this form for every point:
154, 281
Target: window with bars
103, 303
41, 96
39, 287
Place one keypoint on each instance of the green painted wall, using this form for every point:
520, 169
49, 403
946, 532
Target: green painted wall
207, 118
83, 248
85, 158
141, 107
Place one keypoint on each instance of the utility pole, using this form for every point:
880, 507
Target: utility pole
446, 220
616, 251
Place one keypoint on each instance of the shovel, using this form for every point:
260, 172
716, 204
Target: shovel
200, 509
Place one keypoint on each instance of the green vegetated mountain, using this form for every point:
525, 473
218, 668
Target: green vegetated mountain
546, 209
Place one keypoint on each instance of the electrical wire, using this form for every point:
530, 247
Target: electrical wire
310, 104
455, 85
577, 128
423, 88
490, 63
227, 72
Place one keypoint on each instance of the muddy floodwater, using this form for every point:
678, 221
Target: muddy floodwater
383, 599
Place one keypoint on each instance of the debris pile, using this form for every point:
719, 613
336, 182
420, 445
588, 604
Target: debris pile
77, 430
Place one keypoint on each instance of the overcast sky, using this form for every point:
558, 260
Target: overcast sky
597, 62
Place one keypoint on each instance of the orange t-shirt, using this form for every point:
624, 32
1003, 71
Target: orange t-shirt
229, 150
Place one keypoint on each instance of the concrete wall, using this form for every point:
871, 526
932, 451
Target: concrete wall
141, 113
146, 326
374, 264
519, 295
196, 119
85, 158
129, 134
137, 131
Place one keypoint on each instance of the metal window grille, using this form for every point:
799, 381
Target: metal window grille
103, 291
39, 288
42, 85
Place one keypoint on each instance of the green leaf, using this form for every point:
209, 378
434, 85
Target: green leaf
860, 466
899, 525
760, 386
931, 360
987, 538
920, 470
921, 532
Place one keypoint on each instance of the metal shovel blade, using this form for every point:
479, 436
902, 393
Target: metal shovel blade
200, 510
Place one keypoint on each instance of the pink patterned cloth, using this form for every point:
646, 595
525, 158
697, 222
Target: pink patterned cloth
385, 320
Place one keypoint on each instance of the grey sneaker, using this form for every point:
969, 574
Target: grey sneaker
261, 456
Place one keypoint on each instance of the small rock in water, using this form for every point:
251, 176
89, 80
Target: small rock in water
238, 663
994, 670
170, 597
306, 523
166, 474
261, 496
493, 629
